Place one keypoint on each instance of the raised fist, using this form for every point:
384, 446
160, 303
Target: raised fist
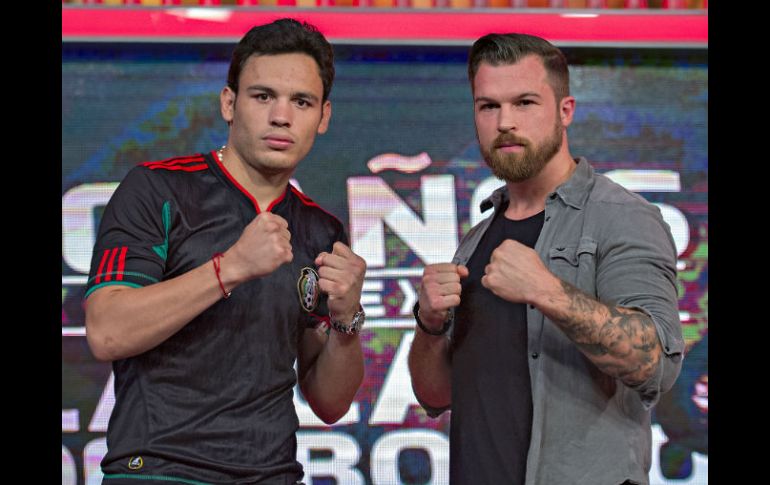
440, 291
341, 276
264, 245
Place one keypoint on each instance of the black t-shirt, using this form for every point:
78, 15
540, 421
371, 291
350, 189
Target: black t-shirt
491, 394
214, 402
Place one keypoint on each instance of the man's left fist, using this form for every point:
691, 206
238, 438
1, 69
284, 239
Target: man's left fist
515, 272
341, 276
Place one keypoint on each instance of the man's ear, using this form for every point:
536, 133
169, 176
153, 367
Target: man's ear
326, 114
567, 110
227, 104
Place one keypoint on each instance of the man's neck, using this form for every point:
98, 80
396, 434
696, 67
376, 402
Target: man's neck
264, 187
527, 198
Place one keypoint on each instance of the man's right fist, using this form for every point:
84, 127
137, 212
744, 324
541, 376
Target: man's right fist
440, 291
264, 245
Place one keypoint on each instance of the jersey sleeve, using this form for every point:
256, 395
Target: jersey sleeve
132, 241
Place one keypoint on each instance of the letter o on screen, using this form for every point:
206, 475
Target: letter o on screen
385, 453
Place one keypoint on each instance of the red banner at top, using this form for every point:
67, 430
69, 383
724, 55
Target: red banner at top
588, 28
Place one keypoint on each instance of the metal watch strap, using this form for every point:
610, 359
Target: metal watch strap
354, 326
436, 333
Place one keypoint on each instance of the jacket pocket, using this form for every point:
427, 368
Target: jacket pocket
575, 264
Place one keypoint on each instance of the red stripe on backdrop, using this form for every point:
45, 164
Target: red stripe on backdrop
222, 24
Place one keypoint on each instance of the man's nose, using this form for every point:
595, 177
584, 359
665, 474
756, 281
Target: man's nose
506, 120
281, 113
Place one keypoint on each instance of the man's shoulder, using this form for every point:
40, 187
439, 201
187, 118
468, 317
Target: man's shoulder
164, 174
616, 209
314, 211
175, 165
607, 191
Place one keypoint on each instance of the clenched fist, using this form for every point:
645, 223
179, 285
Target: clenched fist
440, 291
264, 245
341, 276
515, 273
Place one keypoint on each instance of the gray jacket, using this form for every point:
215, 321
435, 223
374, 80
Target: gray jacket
587, 427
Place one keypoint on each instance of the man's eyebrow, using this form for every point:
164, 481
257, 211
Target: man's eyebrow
272, 92
259, 87
528, 95
484, 99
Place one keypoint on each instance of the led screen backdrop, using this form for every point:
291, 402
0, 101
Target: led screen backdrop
401, 167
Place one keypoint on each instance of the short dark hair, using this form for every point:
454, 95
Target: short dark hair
284, 36
497, 49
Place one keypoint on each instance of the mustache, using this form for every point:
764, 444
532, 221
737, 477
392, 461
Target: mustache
509, 139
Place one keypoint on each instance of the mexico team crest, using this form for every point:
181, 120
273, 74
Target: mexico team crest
307, 287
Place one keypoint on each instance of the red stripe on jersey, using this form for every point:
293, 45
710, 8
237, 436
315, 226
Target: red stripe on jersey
176, 160
323, 323
235, 182
101, 266
108, 276
172, 164
323, 318
122, 263
187, 168
309, 202
304, 198
276, 201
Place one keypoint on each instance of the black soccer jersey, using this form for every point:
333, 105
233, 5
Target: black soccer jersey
213, 403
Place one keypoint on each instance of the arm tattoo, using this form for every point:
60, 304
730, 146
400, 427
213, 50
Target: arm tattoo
622, 342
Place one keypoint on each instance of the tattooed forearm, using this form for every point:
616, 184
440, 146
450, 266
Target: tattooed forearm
579, 302
622, 342
578, 315
593, 349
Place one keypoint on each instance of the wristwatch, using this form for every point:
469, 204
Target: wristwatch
441, 331
351, 328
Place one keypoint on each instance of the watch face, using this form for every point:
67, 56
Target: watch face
358, 320
353, 327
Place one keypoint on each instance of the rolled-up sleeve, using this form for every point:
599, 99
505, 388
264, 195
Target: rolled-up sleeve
637, 269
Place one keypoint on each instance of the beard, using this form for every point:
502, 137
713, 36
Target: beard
518, 167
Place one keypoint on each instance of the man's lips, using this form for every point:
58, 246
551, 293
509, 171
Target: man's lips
278, 142
509, 144
509, 147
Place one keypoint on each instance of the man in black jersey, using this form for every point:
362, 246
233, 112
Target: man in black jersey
555, 328
211, 274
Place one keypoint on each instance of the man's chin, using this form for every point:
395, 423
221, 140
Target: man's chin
274, 166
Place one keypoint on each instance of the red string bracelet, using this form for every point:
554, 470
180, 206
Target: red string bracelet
215, 260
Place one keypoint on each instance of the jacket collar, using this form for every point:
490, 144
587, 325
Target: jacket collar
574, 192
